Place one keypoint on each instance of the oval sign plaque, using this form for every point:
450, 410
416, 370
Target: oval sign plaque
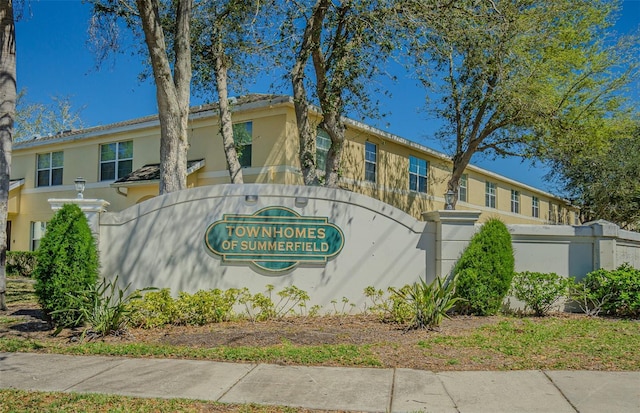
275, 239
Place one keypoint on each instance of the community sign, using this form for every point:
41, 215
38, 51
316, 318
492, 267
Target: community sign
274, 239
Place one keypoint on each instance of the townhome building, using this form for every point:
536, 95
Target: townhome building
120, 164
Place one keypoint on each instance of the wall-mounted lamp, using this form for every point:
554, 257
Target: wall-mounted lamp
449, 196
301, 201
80, 183
251, 199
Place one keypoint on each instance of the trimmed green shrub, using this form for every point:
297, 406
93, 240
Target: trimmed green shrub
539, 291
67, 262
205, 307
154, 309
618, 291
485, 270
21, 263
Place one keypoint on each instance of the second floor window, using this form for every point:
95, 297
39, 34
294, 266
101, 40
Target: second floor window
243, 138
116, 160
463, 188
49, 170
490, 195
323, 143
417, 174
370, 161
535, 207
515, 201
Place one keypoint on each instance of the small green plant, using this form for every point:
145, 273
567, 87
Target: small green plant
485, 270
428, 303
261, 307
21, 263
618, 291
67, 262
153, 309
205, 307
104, 306
539, 291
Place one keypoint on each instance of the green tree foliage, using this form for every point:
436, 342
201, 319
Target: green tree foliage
339, 48
518, 77
67, 262
605, 182
485, 270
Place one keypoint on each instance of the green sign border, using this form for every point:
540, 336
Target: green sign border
267, 260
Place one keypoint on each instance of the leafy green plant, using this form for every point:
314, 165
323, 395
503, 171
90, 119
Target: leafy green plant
205, 307
539, 291
618, 291
428, 303
260, 307
153, 309
104, 306
485, 270
391, 307
21, 263
67, 262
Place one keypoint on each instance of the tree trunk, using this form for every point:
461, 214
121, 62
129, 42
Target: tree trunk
172, 90
335, 128
306, 132
226, 124
7, 116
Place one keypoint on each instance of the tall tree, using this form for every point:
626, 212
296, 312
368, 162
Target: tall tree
7, 115
512, 77
346, 44
604, 182
226, 49
171, 66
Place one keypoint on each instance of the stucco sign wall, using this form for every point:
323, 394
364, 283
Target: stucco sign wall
274, 239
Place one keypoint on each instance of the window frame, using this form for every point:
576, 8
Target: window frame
117, 161
463, 188
419, 178
34, 243
515, 201
244, 147
535, 206
322, 150
490, 194
50, 169
370, 162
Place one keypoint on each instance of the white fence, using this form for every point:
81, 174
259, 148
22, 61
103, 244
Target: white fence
164, 242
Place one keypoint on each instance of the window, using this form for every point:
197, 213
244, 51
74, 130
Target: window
535, 207
323, 143
515, 201
490, 195
49, 169
37, 232
417, 174
243, 138
370, 160
462, 188
116, 160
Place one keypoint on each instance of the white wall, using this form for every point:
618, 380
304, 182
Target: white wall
160, 242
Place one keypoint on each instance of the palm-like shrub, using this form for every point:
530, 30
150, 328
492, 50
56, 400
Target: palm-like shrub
485, 270
67, 263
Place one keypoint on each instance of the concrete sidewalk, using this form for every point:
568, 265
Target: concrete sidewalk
327, 388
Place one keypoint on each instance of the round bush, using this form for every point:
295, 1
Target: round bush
67, 262
485, 270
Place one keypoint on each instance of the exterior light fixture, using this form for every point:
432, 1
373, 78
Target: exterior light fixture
448, 199
80, 184
251, 199
301, 201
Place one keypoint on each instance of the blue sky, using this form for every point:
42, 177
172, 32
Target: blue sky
54, 60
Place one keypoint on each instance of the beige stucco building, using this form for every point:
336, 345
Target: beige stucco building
120, 164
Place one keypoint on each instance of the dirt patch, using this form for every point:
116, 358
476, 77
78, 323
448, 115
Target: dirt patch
393, 345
